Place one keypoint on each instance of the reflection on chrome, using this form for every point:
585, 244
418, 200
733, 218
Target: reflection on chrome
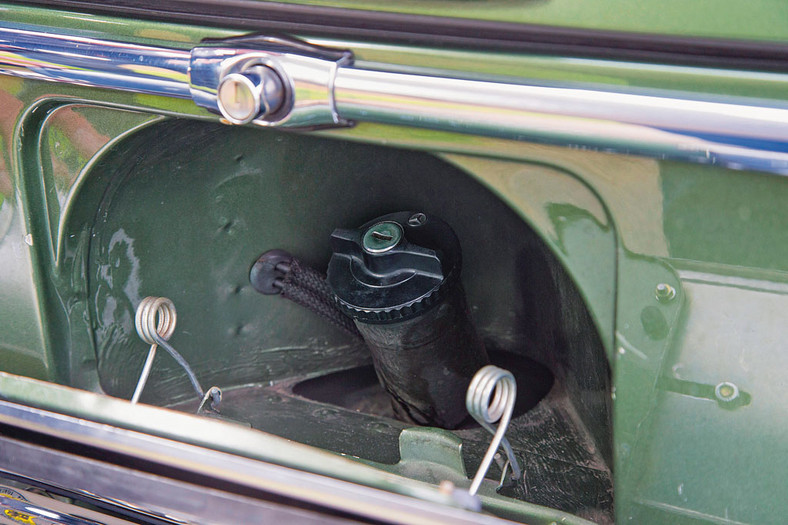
92, 62
734, 135
26, 504
323, 88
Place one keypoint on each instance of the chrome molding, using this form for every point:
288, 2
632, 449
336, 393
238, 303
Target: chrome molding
144, 497
735, 135
322, 87
91, 62
213, 467
35, 508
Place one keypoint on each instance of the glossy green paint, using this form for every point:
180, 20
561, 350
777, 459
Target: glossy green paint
718, 237
570, 218
725, 336
60, 140
758, 20
544, 70
262, 189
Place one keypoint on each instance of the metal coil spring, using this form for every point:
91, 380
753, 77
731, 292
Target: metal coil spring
155, 316
155, 323
491, 396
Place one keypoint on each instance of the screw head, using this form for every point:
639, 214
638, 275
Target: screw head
382, 237
665, 292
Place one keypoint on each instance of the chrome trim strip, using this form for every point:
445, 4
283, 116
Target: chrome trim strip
144, 497
736, 133
96, 63
37, 508
275, 480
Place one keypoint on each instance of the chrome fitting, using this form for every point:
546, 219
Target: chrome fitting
255, 92
267, 81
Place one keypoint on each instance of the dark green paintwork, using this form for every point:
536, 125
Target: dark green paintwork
260, 190
619, 225
756, 20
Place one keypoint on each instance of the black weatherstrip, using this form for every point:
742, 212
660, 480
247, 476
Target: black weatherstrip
255, 15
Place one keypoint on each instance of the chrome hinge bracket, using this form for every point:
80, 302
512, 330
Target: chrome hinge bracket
268, 81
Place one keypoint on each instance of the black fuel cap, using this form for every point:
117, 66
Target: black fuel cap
393, 267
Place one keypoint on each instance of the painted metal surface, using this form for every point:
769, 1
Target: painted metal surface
760, 20
620, 225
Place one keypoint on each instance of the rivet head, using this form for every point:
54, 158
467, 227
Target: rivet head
665, 292
726, 392
382, 237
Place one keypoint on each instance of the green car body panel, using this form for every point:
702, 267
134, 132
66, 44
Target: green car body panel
682, 268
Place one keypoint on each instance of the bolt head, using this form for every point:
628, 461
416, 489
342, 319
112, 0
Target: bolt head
665, 292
